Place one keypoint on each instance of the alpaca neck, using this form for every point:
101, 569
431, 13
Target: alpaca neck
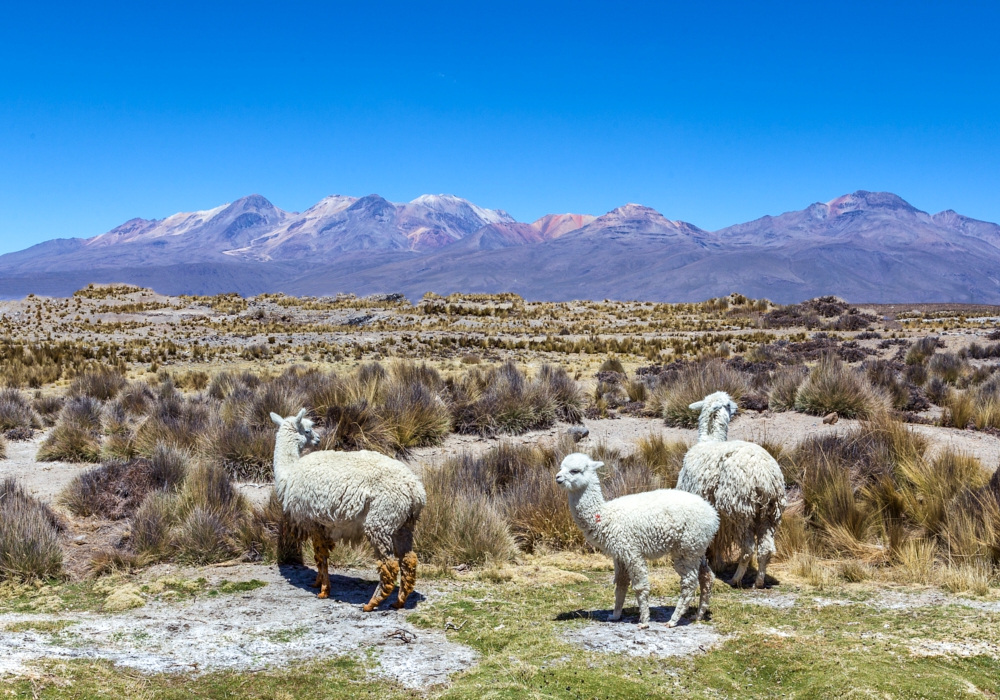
714, 426
586, 507
286, 453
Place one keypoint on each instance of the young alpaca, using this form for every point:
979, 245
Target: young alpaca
741, 479
349, 495
649, 525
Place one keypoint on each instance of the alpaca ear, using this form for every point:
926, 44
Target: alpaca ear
696, 406
278, 420
300, 416
596, 465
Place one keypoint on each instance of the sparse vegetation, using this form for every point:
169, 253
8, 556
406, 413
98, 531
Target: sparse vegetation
29, 546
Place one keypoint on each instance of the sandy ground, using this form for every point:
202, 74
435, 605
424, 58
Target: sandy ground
270, 626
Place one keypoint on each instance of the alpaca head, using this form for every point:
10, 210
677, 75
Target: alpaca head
577, 472
303, 427
716, 411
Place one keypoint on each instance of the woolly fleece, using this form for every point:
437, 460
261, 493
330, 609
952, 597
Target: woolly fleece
641, 526
346, 495
741, 479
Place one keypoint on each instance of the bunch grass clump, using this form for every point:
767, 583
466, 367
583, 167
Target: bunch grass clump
16, 411
832, 386
101, 383
875, 494
76, 435
502, 400
671, 398
29, 536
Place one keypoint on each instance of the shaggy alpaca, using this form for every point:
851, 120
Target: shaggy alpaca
741, 480
349, 495
641, 526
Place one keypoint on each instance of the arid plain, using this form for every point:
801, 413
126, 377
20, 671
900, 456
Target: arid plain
141, 554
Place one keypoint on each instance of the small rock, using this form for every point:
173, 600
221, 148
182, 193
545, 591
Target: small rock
830, 418
578, 432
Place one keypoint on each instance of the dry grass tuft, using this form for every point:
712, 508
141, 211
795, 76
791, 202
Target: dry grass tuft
76, 435
29, 546
833, 386
671, 398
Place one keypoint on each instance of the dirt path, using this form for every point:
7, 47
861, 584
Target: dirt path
277, 624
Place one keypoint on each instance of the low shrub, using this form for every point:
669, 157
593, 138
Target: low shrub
784, 387
76, 435
102, 384
29, 532
47, 407
501, 400
115, 490
16, 411
948, 367
921, 350
833, 386
671, 398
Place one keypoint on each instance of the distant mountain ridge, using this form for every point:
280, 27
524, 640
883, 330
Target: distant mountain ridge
864, 246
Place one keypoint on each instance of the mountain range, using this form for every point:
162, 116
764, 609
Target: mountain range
865, 246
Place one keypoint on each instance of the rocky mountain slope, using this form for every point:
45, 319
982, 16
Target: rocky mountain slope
865, 246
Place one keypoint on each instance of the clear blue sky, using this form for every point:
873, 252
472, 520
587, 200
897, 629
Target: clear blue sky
713, 113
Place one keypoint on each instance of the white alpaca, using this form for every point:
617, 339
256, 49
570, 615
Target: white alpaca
641, 526
741, 479
349, 495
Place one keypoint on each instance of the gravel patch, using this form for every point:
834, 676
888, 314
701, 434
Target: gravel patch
659, 640
278, 624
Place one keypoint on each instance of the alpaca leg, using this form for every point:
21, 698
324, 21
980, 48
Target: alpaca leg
689, 573
388, 569
407, 578
621, 590
746, 552
765, 549
402, 544
639, 573
321, 550
705, 579
319, 554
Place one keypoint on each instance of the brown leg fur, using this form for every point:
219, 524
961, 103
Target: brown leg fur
322, 553
407, 578
388, 569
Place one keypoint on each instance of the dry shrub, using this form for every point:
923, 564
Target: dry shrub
47, 407
206, 521
412, 407
883, 375
116, 490
972, 578
948, 367
833, 386
102, 384
29, 531
671, 398
195, 379
959, 409
873, 494
793, 535
460, 525
663, 458
76, 435
612, 364
784, 386
921, 350
501, 400
16, 411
